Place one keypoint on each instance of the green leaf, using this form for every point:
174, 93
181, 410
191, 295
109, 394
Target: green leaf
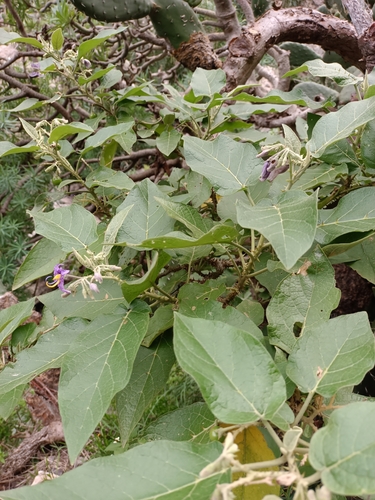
98, 365
172, 474
272, 277
161, 321
335, 126
344, 450
113, 228
189, 216
291, 140
70, 129
131, 289
229, 165
105, 302
207, 82
252, 310
304, 299
191, 423
11, 37
332, 355
57, 39
289, 223
9, 401
85, 47
7, 148
199, 187
331, 70
354, 212
168, 141
30, 130
364, 257
368, 144
107, 177
349, 250
237, 377
39, 262
218, 234
46, 354
194, 293
301, 94
106, 133
69, 227
318, 175
95, 76
213, 310
147, 219
13, 316
149, 376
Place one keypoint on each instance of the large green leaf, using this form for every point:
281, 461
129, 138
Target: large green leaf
237, 376
13, 316
320, 174
106, 133
333, 354
98, 365
191, 423
335, 126
168, 141
229, 165
344, 450
69, 129
354, 212
113, 228
289, 224
105, 302
149, 376
303, 300
368, 144
47, 353
38, 262
131, 289
172, 474
69, 227
147, 219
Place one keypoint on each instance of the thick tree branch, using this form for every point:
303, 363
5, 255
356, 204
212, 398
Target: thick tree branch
227, 16
295, 25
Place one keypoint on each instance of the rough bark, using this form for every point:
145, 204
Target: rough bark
292, 25
227, 16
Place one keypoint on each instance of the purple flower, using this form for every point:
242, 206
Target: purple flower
94, 288
269, 170
35, 70
58, 278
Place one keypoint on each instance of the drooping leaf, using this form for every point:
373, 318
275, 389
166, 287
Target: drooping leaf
189, 216
149, 376
168, 141
103, 35
289, 224
237, 376
335, 126
13, 316
368, 144
176, 239
40, 261
9, 401
354, 212
113, 228
68, 129
160, 322
229, 165
98, 365
105, 302
302, 300
131, 289
172, 473
69, 227
7, 148
106, 133
253, 448
207, 83
344, 450
148, 219
107, 177
335, 71
11, 37
190, 423
333, 354
47, 353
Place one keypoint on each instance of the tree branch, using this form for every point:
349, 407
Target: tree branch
227, 15
294, 25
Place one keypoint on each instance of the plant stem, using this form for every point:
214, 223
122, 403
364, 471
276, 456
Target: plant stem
304, 407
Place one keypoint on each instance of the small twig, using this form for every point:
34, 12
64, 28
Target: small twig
16, 17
